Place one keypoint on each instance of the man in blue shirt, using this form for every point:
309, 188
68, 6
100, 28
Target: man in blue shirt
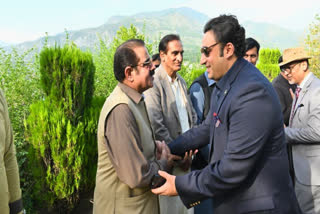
200, 94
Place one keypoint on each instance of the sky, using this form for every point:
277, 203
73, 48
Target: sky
25, 20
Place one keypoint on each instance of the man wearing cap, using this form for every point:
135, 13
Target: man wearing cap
303, 133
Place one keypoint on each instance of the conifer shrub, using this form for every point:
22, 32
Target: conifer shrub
61, 128
268, 62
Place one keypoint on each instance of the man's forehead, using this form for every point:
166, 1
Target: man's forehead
208, 37
254, 49
175, 45
142, 53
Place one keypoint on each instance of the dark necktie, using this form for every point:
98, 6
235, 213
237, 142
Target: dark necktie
298, 89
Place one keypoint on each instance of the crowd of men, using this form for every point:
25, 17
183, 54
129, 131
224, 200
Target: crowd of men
232, 143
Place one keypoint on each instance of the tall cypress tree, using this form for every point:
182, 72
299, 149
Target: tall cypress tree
61, 128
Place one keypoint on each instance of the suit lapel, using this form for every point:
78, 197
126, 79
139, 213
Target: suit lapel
168, 90
302, 94
224, 91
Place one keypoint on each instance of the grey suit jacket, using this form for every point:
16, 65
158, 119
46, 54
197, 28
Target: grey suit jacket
304, 133
162, 108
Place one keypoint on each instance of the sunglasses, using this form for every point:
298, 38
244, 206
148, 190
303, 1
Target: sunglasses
147, 64
206, 50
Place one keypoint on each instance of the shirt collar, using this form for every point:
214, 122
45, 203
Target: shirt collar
131, 93
305, 80
175, 80
210, 81
231, 73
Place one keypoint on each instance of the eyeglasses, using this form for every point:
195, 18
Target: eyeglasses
289, 68
147, 64
206, 50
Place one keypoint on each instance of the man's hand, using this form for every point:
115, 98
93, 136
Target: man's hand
163, 153
169, 187
187, 160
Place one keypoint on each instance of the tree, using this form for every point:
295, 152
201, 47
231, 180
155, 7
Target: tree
268, 62
61, 128
312, 43
103, 59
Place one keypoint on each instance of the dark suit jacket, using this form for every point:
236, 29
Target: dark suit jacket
282, 86
248, 164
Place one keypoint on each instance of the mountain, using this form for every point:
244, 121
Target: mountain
186, 22
273, 36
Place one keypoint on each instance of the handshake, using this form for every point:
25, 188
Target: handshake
163, 153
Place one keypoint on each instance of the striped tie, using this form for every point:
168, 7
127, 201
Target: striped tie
298, 89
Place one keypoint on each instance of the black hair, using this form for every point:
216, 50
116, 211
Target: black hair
251, 43
163, 45
226, 28
125, 56
155, 57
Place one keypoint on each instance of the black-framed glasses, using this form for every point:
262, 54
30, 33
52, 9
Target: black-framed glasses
288, 69
206, 50
147, 64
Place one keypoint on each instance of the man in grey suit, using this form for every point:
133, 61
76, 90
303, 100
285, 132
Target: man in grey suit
169, 106
303, 133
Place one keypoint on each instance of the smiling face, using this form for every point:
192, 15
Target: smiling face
143, 71
296, 72
172, 59
214, 61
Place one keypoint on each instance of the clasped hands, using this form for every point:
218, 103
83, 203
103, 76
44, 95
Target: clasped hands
163, 152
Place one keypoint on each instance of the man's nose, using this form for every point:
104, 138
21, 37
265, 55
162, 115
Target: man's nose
179, 57
203, 59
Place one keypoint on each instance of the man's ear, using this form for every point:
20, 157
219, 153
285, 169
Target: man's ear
228, 50
304, 65
162, 56
128, 73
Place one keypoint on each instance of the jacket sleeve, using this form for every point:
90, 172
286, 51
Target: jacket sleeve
155, 112
9, 174
310, 132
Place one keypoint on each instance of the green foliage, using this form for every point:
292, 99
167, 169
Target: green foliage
62, 127
313, 45
268, 62
105, 80
190, 71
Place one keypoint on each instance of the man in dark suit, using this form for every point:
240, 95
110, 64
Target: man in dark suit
282, 87
248, 168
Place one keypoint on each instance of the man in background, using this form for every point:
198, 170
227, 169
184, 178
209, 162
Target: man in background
303, 133
169, 106
10, 192
282, 87
252, 51
200, 94
156, 60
